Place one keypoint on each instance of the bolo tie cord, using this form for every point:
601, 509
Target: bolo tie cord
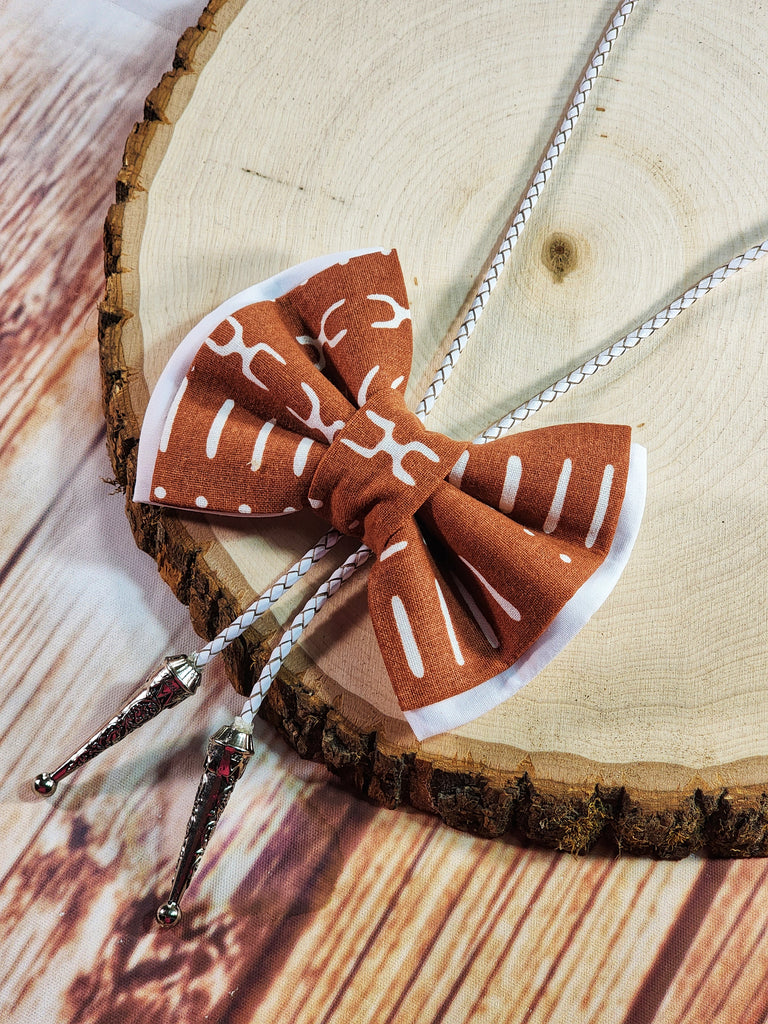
230, 748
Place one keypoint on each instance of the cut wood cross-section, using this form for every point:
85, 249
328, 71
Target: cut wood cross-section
283, 134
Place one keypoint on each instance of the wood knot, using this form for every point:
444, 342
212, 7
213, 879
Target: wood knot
559, 255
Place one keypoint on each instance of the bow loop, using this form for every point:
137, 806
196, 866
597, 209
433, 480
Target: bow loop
380, 469
258, 358
566, 481
357, 319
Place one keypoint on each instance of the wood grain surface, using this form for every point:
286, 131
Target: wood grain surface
649, 725
313, 905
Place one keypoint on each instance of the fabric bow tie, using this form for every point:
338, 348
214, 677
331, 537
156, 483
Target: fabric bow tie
489, 557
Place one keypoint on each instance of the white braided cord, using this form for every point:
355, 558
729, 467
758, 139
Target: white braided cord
524, 209
239, 625
618, 348
297, 627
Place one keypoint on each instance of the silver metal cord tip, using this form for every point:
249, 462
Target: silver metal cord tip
45, 784
169, 915
228, 752
176, 679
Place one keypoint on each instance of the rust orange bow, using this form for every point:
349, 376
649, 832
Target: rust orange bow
489, 557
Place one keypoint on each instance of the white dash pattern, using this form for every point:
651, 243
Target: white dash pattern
300, 458
401, 545
260, 445
556, 508
457, 473
362, 394
407, 639
214, 434
477, 615
602, 506
511, 483
505, 605
454, 640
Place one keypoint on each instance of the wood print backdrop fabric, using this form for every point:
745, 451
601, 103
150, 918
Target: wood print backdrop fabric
623, 939
489, 557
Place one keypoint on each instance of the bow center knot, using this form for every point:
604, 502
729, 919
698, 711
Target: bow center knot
380, 469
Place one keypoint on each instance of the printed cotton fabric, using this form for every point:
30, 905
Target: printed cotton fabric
489, 558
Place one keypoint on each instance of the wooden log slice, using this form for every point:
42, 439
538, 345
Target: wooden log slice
286, 131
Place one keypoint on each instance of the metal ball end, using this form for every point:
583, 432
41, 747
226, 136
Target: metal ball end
45, 784
168, 915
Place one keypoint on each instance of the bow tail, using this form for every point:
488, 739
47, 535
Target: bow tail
436, 655
461, 639
530, 592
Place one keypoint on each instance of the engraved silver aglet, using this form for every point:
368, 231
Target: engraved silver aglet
229, 750
177, 679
